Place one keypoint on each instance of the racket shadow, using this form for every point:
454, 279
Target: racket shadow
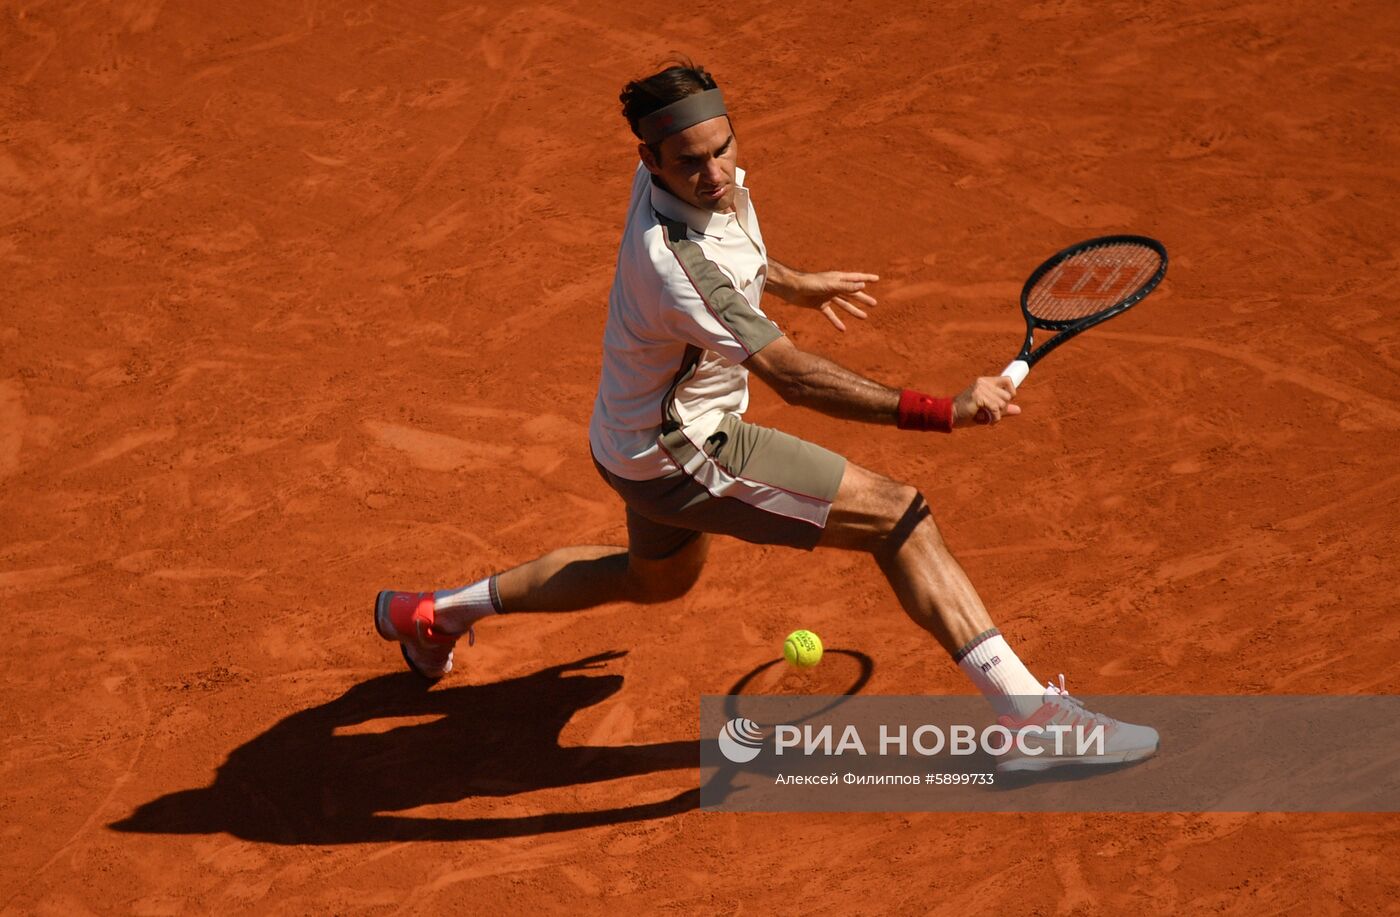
829, 685
775, 679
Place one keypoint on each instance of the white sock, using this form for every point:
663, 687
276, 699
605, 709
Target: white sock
458, 609
1001, 677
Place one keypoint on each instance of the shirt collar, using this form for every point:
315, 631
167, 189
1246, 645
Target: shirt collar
705, 222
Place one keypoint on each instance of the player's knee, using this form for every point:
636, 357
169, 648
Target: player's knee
897, 500
905, 510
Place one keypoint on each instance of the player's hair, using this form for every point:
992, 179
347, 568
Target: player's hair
680, 78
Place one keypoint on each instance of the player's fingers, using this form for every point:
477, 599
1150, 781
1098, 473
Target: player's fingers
854, 310
832, 317
858, 278
864, 297
1006, 385
1012, 409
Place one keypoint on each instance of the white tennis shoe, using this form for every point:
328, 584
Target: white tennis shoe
1063, 732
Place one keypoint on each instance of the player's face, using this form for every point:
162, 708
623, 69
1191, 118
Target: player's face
698, 164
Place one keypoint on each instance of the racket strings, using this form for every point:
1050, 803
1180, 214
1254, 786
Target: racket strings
1092, 281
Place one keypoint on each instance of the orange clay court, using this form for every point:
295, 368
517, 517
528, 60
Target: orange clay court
303, 301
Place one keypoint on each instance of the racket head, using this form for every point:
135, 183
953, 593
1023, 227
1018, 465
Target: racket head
1091, 281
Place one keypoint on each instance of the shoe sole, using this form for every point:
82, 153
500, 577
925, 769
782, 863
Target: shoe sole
381, 616
1045, 763
385, 628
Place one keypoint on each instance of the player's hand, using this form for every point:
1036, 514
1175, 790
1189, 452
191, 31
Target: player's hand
987, 400
830, 291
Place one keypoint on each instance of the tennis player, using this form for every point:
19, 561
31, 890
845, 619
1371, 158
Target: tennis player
685, 328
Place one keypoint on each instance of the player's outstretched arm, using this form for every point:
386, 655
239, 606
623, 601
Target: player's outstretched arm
805, 379
825, 291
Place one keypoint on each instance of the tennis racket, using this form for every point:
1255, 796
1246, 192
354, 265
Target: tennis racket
1083, 286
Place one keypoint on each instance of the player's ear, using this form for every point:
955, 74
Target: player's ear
649, 158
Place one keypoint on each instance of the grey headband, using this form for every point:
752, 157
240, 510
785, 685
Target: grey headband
676, 117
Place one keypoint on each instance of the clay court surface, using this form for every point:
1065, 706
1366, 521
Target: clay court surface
302, 301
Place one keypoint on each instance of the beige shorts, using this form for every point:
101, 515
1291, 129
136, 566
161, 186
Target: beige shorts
750, 482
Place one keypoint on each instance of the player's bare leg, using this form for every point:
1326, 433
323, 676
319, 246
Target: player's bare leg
892, 522
428, 624
584, 576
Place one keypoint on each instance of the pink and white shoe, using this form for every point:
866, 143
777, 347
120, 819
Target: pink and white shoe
1063, 731
410, 618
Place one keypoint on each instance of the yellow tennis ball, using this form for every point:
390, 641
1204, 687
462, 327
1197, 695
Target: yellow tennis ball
803, 649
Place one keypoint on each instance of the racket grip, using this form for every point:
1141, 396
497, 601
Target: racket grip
1017, 370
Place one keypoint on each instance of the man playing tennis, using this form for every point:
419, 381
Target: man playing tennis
684, 329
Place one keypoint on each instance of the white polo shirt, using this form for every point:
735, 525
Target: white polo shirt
682, 316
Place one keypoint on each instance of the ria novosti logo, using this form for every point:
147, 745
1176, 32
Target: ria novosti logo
741, 740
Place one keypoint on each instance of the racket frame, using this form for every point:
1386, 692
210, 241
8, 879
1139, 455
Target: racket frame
1020, 367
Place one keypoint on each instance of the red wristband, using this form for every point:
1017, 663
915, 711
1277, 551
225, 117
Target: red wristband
918, 411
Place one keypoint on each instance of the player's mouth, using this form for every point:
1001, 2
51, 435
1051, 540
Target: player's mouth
713, 194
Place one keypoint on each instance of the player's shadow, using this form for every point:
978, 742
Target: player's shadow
337, 773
